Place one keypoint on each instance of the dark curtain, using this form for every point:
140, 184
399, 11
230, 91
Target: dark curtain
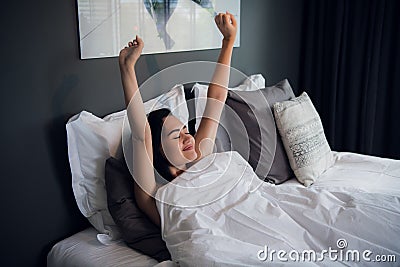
350, 67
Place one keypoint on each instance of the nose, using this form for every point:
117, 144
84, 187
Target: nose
186, 138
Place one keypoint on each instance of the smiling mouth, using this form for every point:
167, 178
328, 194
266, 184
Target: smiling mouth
189, 147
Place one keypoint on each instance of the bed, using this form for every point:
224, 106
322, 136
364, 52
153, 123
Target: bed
341, 177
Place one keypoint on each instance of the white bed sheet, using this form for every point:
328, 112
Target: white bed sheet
362, 173
83, 249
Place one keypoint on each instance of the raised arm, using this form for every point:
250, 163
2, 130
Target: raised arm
217, 90
141, 134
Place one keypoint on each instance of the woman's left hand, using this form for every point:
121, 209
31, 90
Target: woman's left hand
227, 25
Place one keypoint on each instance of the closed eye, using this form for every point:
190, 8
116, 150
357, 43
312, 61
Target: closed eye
177, 130
180, 136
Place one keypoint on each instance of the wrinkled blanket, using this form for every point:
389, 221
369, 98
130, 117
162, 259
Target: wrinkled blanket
218, 213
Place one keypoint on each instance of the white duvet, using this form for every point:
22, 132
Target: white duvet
219, 214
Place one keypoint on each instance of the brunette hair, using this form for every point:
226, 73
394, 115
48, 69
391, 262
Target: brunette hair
160, 163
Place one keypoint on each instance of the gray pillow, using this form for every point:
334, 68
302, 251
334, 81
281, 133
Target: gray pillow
248, 122
136, 228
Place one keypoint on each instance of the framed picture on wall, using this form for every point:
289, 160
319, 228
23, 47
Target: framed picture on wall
106, 26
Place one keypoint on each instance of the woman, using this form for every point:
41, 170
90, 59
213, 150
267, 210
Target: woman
171, 147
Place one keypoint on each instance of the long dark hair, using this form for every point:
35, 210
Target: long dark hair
160, 163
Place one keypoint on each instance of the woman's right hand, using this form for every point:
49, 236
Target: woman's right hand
227, 25
131, 53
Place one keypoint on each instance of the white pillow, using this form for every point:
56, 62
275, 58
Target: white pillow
303, 137
222, 141
91, 140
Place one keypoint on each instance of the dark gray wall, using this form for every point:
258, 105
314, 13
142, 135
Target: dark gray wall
43, 82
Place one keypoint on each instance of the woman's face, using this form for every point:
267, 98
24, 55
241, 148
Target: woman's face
177, 143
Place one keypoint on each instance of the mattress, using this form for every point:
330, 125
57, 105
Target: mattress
83, 249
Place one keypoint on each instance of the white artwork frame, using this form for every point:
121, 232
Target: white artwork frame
106, 26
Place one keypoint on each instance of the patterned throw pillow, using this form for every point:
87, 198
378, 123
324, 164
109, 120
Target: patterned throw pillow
303, 137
